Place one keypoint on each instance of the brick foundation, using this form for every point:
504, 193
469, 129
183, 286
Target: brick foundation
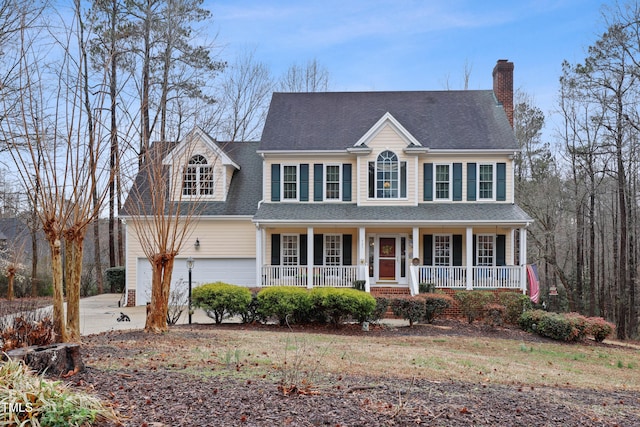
131, 298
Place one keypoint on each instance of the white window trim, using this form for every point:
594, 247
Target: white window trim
324, 249
493, 257
282, 192
435, 174
282, 247
493, 183
197, 182
324, 182
433, 250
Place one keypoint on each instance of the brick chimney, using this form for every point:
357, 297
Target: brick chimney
503, 86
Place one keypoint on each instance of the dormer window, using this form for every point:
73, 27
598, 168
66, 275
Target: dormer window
198, 177
387, 177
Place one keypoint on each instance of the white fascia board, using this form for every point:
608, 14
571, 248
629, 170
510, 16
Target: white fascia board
198, 133
270, 153
477, 152
387, 118
398, 223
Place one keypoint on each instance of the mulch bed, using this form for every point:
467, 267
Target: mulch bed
162, 397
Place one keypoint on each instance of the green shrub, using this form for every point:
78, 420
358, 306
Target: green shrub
579, 324
472, 303
359, 284
494, 314
435, 304
599, 328
426, 288
251, 314
285, 303
340, 304
409, 308
382, 305
515, 304
557, 327
115, 279
220, 300
530, 319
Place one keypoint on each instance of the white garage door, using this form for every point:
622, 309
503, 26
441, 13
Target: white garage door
234, 271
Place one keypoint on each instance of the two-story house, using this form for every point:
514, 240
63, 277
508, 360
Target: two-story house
392, 188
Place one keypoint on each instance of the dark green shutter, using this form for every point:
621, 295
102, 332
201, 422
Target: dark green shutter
403, 179
457, 182
317, 182
457, 249
346, 182
275, 182
303, 249
471, 182
346, 249
372, 180
318, 249
474, 250
501, 182
304, 182
275, 249
501, 249
428, 182
427, 246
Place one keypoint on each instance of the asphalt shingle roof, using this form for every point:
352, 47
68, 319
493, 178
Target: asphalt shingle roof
470, 119
425, 213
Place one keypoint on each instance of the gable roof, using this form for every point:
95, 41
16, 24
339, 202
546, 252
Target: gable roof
210, 143
438, 120
245, 190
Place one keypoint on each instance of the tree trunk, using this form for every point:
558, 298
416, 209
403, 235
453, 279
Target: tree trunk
10, 278
59, 326
162, 267
73, 275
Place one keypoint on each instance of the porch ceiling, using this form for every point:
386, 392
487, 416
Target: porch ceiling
423, 214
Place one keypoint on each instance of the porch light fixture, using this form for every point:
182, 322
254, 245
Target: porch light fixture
190, 263
197, 244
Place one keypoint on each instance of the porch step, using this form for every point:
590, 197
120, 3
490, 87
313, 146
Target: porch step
389, 290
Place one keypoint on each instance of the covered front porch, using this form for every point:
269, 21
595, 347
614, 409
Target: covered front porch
448, 257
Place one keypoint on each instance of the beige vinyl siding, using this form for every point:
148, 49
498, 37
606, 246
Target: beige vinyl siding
219, 238
386, 139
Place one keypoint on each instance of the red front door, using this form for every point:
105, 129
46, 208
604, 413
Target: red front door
387, 258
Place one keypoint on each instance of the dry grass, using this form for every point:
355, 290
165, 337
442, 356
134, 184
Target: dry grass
250, 353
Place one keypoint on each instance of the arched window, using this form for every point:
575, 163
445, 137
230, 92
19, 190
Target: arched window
387, 178
198, 177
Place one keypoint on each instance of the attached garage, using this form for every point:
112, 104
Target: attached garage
205, 270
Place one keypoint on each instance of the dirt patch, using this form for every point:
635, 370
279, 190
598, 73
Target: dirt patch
174, 394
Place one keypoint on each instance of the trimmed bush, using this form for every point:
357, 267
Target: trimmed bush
494, 314
251, 315
359, 284
515, 304
435, 304
599, 328
529, 320
285, 303
426, 288
472, 303
557, 327
409, 308
382, 305
579, 323
340, 304
221, 300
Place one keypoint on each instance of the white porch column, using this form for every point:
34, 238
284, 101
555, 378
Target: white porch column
363, 271
523, 260
310, 257
416, 242
469, 256
259, 254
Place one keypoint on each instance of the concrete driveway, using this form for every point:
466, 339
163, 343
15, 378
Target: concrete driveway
100, 314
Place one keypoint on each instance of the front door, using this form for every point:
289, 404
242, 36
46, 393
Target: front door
387, 258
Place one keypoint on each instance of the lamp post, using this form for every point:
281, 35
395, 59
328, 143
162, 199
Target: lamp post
190, 263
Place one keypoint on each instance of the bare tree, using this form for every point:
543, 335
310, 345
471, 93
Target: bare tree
312, 78
162, 217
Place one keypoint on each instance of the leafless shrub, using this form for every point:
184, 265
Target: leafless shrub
25, 326
178, 301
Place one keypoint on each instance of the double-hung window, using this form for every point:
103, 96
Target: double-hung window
443, 182
289, 248
441, 250
332, 249
197, 179
290, 182
332, 182
485, 250
486, 182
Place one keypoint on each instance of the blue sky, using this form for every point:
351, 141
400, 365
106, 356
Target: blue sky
412, 44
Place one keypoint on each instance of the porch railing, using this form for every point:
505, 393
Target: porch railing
329, 276
506, 277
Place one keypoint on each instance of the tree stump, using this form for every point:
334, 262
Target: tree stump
55, 359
